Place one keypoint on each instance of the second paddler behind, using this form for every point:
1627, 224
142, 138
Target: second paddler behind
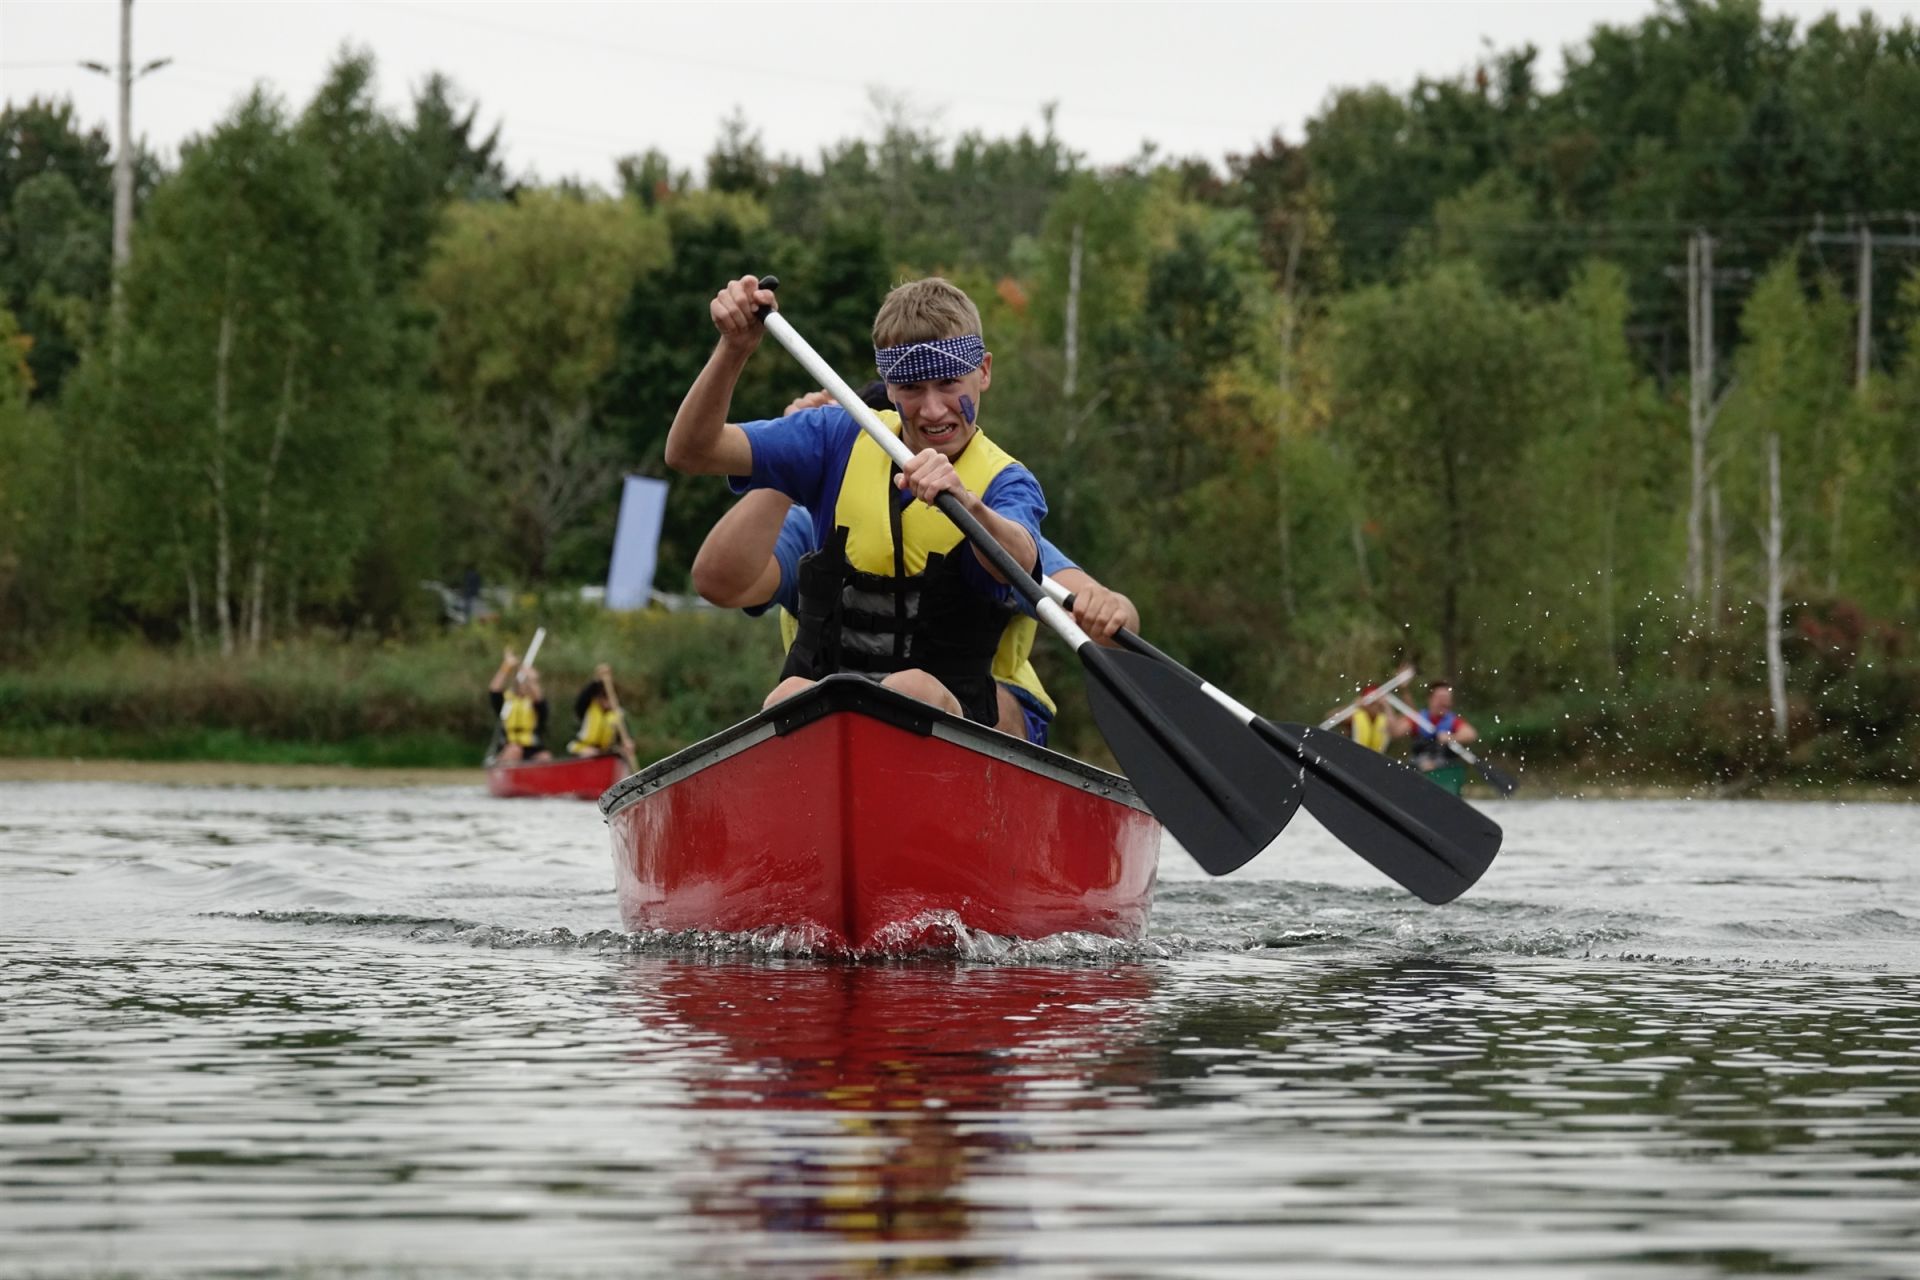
889, 589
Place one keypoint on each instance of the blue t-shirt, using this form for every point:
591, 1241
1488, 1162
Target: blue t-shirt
804, 455
797, 537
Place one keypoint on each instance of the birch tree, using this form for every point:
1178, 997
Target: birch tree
247, 419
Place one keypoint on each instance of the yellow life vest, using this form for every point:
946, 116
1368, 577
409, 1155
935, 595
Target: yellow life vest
1369, 729
519, 721
599, 729
867, 487
1011, 663
882, 556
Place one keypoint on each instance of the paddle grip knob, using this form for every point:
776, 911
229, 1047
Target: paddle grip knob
769, 283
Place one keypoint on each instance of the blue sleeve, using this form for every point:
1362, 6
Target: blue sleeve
1053, 560
1015, 495
796, 455
796, 539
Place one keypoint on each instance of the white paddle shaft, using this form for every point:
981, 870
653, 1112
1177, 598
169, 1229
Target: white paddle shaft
1459, 747
533, 650
1338, 717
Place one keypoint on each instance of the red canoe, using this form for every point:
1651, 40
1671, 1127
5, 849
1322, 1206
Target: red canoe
584, 777
857, 819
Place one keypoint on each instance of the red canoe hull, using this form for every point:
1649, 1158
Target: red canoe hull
583, 777
858, 820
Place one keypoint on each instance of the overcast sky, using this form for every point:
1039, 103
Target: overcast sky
575, 85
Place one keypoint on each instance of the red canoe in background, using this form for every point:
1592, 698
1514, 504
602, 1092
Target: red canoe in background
583, 777
861, 820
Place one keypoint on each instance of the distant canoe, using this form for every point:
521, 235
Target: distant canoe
858, 819
1451, 778
583, 777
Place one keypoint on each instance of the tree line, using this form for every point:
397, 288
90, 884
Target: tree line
1419, 385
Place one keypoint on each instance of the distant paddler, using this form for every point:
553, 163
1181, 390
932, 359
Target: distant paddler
519, 708
603, 726
1369, 718
1441, 738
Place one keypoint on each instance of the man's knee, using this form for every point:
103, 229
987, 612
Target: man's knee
786, 689
1013, 717
916, 683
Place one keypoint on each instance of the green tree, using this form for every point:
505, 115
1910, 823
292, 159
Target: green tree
662, 336
56, 212
1439, 392
526, 293
246, 422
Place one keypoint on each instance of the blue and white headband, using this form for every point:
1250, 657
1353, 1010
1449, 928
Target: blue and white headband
930, 361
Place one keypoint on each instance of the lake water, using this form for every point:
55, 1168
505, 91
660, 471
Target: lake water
399, 1033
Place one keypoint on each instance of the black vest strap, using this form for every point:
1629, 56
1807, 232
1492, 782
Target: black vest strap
940, 623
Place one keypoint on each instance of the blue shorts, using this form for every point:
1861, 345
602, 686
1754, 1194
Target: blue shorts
1038, 718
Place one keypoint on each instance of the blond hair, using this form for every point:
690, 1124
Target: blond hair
923, 310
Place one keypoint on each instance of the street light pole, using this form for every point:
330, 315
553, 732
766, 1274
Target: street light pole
123, 152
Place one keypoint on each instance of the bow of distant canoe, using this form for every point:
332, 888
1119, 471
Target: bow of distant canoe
582, 777
854, 819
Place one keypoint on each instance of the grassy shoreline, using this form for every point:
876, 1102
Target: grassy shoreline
323, 702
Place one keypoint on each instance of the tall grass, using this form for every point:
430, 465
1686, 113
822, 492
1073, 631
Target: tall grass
320, 699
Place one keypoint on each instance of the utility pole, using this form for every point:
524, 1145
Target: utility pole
125, 75
1863, 238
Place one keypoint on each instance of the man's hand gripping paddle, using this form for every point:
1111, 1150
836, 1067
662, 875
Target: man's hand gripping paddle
1201, 770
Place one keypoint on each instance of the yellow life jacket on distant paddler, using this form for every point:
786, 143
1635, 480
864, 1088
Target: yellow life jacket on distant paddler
1370, 729
599, 728
519, 721
885, 592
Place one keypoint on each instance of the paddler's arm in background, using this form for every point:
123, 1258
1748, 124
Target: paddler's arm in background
1463, 733
1100, 612
735, 567
701, 441
508, 661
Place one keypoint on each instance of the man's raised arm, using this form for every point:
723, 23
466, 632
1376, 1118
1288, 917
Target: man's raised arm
701, 441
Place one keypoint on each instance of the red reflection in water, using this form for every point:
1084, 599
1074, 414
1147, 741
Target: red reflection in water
879, 1091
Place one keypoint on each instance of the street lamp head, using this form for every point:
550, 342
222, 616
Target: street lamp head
155, 65
102, 68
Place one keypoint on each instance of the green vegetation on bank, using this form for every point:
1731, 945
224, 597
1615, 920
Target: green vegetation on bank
683, 676
321, 700
1412, 387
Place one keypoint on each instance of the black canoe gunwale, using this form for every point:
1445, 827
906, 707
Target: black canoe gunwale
859, 696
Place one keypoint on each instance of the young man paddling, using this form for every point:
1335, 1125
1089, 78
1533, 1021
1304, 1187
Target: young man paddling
1430, 750
890, 589
750, 561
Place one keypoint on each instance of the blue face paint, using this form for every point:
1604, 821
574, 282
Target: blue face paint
966, 408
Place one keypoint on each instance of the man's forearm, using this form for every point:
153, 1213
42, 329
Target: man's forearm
1010, 534
696, 443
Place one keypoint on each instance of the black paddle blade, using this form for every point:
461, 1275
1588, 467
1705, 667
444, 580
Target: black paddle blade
1204, 774
1433, 843
1499, 779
